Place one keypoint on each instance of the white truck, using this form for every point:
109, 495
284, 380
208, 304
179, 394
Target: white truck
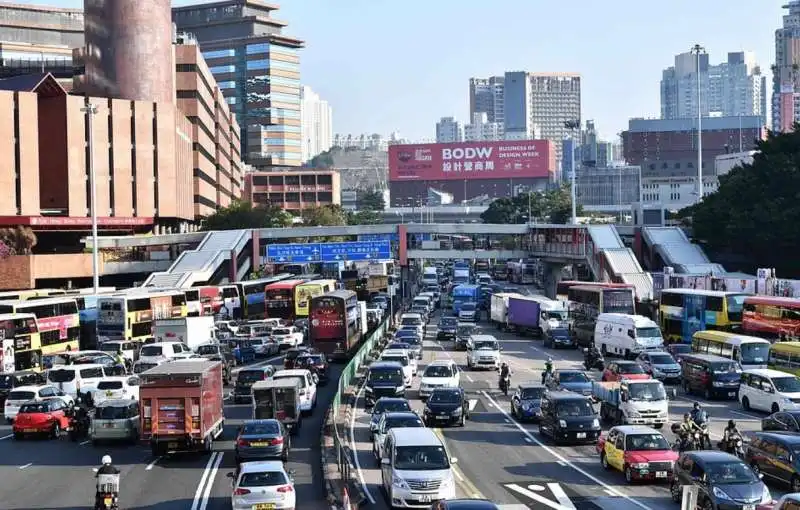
430, 276
191, 331
619, 334
498, 308
553, 314
632, 402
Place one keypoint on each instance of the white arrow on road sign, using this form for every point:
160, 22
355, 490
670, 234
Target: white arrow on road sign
282, 259
367, 256
338, 257
562, 500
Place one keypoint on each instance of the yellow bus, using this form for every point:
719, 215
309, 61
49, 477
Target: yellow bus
57, 318
130, 315
785, 356
305, 291
21, 343
24, 295
749, 351
683, 312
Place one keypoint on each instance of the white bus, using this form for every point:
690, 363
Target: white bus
749, 351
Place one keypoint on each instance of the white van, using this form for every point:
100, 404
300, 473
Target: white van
416, 468
152, 353
75, 380
127, 347
769, 390
424, 300
624, 335
22, 394
308, 386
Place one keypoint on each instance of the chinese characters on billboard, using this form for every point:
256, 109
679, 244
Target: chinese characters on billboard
472, 160
327, 319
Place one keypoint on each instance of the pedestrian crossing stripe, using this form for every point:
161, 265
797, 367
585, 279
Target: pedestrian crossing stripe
533, 492
473, 402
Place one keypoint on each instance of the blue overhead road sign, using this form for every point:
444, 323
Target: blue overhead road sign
293, 252
367, 250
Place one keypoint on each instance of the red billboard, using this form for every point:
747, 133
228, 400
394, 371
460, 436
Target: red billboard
472, 160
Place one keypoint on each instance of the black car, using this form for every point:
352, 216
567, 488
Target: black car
446, 406
317, 363
723, 481
774, 455
447, 328
558, 337
464, 332
568, 417
526, 402
464, 504
386, 405
384, 379
783, 421
291, 355
403, 346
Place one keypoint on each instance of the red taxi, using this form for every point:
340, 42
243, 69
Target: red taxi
46, 416
618, 370
642, 453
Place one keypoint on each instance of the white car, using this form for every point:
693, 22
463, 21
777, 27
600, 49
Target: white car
262, 484
439, 374
116, 388
264, 346
769, 390
403, 358
308, 386
483, 351
413, 320
154, 353
23, 394
287, 337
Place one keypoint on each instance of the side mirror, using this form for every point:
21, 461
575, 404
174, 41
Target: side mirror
585, 350
385, 461
453, 460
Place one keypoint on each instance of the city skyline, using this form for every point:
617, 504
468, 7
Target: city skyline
377, 97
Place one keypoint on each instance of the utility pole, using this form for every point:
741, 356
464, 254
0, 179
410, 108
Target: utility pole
90, 110
698, 50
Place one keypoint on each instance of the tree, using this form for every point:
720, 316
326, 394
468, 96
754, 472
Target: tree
559, 206
5, 251
241, 214
324, 216
755, 209
364, 218
552, 206
322, 160
371, 201
18, 240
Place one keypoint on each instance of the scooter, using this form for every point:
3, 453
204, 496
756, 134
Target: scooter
107, 495
79, 424
734, 446
505, 382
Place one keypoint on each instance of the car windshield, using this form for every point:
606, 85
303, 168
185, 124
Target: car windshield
405, 421
205, 350
789, 384
723, 367
61, 376
465, 330
386, 406
681, 348
735, 303
646, 391
403, 360
282, 331
399, 345
422, 310
559, 316
264, 479
755, 353
109, 385
661, 359
445, 397
438, 371
531, 393
559, 333
250, 376
572, 377
111, 413
448, 322
574, 408
411, 321
723, 473
269, 428
109, 347
654, 332
421, 458
468, 307
630, 368
34, 408
487, 345
390, 375
642, 442
150, 350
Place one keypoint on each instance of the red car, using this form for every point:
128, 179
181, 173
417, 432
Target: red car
642, 453
316, 362
47, 416
618, 370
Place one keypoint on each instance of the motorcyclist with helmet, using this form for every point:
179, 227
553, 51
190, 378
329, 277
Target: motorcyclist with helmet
686, 432
107, 468
700, 419
592, 356
730, 436
548, 370
505, 377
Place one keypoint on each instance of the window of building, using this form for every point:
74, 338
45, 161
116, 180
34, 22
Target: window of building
325, 197
227, 84
260, 180
219, 54
275, 180
257, 48
223, 69
292, 197
253, 65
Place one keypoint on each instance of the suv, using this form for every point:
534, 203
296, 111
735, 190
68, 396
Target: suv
439, 373
712, 376
384, 379
219, 352
483, 351
567, 416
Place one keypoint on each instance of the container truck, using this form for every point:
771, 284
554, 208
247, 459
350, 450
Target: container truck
642, 402
523, 315
180, 405
553, 315
192, 331
461, 276
498, 308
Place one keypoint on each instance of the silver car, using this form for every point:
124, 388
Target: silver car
115, 420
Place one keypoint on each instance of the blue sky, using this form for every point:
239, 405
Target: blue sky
398, 66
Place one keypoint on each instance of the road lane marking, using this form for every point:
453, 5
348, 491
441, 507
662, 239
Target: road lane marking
468, 378
746, 415
86, 442
527, 439
558, 456
353, 448
6, 437
211, 477
199, 492
29, 464
560, 462
467, 485
150, 466
458, 475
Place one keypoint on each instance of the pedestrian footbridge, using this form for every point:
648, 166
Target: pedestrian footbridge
670, 246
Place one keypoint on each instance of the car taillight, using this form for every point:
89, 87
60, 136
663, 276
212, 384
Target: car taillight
195, 413
242, 442
146, 406
285, 488
241, 492
276, 441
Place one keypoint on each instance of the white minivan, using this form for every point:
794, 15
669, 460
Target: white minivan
153, 353
416, 468
76, 380
769, 390
627, 336
308, 386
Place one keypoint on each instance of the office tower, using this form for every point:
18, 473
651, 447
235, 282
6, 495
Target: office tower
731, 88
481, 130
258, 70
449, 130
486, 96
785, 75
317, 123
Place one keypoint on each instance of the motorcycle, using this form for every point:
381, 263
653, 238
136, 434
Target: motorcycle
79, 424
593, 360
107, 496
705, 437
505, 382
686, 442
734, 446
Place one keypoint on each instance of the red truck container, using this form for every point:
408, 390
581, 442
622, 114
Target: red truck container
180, 404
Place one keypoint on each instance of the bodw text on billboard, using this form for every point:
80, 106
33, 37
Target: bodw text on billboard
472, 160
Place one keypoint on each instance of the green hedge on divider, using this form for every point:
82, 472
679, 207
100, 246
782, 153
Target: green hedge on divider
351, 369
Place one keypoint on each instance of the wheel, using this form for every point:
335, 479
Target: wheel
746, 403
604, 461
775, 407
56, 431
628, 474
675, 491
708, 505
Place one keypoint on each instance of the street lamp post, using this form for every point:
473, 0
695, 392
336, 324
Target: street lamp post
573, 126
698, 50
90, 110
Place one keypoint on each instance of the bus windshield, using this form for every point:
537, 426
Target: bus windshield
754, 353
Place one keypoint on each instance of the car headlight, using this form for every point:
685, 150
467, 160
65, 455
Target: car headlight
766, 497
719, 493
640, 465
526, 407
786, 400
399, 483
562, 424
458, 411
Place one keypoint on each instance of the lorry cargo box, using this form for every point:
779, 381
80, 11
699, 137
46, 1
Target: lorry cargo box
523, 313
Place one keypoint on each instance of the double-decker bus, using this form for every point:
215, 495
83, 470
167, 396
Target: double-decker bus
785, 356
58, 321
335, 323
749, 351
586, 302
211, 299
774, 318
279, 299
24, 295
684, 312
20, 342
130, 315
86, 300
245, 299
500, 270
304, 292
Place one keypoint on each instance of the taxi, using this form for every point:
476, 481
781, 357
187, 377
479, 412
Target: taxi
641, 453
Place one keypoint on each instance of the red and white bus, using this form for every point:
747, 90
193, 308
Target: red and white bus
562, 289
335, 323
279, 299
772, 317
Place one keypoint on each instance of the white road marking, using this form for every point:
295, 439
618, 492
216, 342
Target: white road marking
468, 378
527, 439
29, 464
458, 475
211, 477
746, 415
507, 420
560, 462
559, 457
150, 466
490, 403
361, 479
6, 437
86, 442
473, 403
203, 480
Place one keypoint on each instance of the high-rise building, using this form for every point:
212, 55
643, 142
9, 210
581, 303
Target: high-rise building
486, 95
785, 74
481, 130
258, 70
731, 88
449, 130
317, 122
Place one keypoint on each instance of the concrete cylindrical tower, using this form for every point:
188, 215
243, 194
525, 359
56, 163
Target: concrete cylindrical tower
129, 51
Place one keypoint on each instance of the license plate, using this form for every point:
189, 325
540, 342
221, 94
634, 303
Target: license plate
424, 498
731, 393
661, 474
109, 393
443, 415
259, 444
107, 501
264, 506
29, 431
581, 435
748, 507
172, 445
